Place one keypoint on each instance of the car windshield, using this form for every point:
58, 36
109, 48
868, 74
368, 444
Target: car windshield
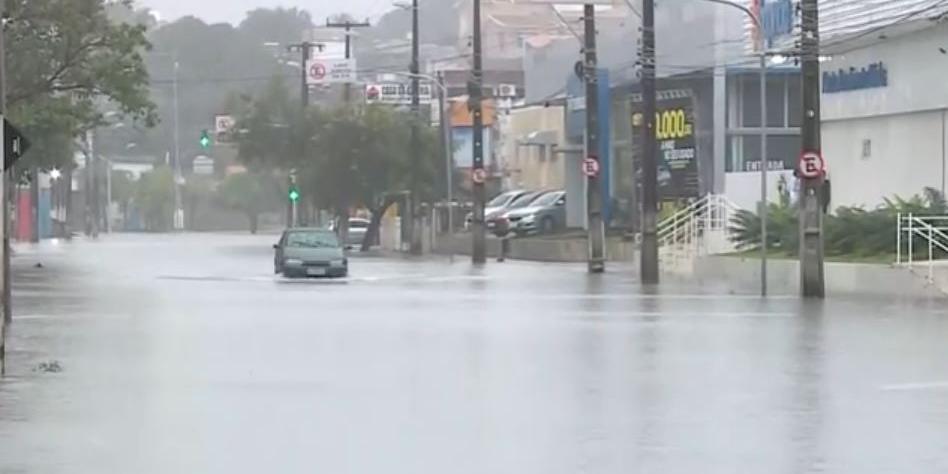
546, 200
525, 200
501, 199
312, 239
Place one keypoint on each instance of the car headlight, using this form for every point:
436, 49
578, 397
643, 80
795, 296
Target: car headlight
338, 263
529, 218
292, 261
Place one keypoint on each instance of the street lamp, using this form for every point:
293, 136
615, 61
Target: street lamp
449, 173
178, 218
763, 135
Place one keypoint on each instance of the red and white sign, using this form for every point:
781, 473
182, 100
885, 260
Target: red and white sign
811, 165
479, 175
591, 167
330, 71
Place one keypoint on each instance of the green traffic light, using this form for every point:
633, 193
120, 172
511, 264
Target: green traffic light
294, 195
205, 139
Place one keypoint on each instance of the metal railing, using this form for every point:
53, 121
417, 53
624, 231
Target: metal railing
688, 232
931, 232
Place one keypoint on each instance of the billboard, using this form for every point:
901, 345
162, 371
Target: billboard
675, 126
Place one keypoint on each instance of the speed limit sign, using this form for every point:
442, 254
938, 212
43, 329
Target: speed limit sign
811, 165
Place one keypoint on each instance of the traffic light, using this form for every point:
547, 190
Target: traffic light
205, 139
294, 194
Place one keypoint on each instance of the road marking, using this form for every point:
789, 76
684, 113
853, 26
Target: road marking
906, 387
621, 314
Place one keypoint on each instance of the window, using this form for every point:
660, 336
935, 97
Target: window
866, 149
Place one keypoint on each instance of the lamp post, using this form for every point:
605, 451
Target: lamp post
762, 54
437, 82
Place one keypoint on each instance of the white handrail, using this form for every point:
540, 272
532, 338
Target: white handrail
933, 237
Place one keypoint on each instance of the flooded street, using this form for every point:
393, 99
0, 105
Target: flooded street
185, 354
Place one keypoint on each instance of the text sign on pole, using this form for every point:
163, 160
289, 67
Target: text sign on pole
330, 71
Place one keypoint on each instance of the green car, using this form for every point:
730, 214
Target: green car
304, 252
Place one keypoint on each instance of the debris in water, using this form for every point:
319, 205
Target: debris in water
49, 367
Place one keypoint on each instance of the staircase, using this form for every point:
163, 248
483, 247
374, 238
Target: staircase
922, 247
700, 229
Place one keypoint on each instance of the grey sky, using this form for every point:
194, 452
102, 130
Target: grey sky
232, 11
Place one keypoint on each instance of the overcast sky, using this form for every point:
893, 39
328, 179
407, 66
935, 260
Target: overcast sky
232, 11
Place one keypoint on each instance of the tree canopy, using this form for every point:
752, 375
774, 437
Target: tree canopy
346, 156
67, 62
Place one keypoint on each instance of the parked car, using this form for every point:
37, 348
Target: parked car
544, 215
497, 206
357, 230
309, 252
499, 223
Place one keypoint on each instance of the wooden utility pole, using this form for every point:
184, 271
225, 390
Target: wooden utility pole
649, 248
348, 26
811, 207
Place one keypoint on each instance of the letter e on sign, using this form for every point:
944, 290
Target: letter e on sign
811, 165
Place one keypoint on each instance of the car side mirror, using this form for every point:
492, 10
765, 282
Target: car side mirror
276, 246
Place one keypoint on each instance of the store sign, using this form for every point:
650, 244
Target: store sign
395, 93
870, 77
677, 146
777, 17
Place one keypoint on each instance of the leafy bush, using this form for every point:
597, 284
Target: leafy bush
851, 231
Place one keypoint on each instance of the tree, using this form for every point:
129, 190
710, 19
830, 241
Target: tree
249, 193
123, 191
282, 26
66, 59
155, 198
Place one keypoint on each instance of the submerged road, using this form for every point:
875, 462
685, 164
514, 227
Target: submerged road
184, 354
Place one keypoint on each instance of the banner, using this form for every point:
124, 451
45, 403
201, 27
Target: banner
677, 147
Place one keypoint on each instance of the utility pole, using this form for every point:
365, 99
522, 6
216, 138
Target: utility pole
92, 222
7, 317
305, 49
475, 92
448, 152
348, 26
811, 208
178, 223
596, 230
649, 249
415, 248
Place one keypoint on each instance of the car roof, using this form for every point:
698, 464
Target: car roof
309, 229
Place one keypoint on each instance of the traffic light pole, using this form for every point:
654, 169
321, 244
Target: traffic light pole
649, 247
476, 89
811, 208
305, 49
596, 228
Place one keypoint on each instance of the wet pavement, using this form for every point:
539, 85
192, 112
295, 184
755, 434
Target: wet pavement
184, 354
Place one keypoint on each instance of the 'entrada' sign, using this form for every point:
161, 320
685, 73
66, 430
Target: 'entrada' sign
872, 76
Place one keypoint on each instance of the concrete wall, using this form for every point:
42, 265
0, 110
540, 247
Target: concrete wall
538, 249
534, 166
906, 153
744, 188
842, 279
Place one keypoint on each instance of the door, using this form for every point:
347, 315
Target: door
278, 254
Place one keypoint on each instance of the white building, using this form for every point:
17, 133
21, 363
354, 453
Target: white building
884, 115
885, 97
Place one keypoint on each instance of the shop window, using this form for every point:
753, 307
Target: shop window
743, 152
